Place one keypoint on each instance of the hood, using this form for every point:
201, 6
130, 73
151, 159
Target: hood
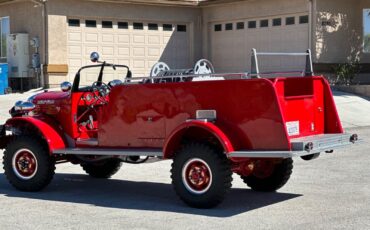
48, 98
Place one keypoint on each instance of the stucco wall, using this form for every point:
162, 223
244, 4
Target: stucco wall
24, 17
249, 9
341, 40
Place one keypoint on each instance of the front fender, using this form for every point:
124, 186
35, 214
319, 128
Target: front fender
174, 139
53, 138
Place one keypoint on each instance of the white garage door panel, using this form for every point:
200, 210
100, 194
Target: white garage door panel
139, 49
231, 49
123, 51
123, 39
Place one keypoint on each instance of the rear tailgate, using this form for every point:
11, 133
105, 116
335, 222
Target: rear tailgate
307, 106
311, 119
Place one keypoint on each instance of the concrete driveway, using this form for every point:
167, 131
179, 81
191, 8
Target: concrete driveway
354, 111
332, 192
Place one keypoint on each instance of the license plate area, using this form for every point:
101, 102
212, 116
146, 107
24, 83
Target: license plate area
292, 128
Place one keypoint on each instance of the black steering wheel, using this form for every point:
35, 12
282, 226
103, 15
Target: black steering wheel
102, 90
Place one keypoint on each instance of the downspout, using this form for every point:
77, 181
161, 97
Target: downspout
44, 16
312, 29
45, 43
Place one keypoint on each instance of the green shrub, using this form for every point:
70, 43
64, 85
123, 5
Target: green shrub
345, 73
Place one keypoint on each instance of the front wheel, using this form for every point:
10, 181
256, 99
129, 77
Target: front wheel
201, 175
27, 164
269, 174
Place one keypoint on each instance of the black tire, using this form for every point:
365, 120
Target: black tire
104, 169
27, 164
216, 171
277, 179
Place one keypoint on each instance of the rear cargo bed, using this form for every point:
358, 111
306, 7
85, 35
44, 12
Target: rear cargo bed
307, 106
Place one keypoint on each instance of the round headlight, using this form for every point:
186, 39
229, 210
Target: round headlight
24, 106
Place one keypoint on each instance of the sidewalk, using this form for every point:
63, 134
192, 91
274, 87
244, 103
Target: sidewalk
354, 111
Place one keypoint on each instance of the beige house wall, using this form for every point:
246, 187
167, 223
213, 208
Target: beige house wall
25, 17
249, 9
341, 38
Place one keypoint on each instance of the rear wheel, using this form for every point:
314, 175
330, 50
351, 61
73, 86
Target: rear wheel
269, 175
201, 175
27, 164
104, 169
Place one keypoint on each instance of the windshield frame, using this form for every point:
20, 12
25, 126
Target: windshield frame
76, 82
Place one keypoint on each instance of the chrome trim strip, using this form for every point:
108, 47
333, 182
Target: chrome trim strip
88, 142
109, 152
321, 143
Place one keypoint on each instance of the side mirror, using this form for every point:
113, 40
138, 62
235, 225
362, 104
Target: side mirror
24, 106
94, 57
66, 86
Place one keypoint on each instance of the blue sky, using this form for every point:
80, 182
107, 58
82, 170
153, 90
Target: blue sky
367, 21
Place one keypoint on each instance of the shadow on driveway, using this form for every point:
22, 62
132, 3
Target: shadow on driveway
121, 194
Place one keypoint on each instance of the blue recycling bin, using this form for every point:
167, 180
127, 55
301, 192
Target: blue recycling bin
3, 78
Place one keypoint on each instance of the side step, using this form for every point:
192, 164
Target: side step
110, 152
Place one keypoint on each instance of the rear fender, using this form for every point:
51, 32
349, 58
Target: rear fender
174, 140
49, 133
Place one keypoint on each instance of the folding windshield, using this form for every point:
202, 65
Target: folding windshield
90, 75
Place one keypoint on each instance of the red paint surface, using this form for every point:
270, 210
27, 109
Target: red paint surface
247, 113
251, 114
174, 139
45, 126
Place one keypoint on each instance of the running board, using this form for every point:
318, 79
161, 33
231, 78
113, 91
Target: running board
110, 152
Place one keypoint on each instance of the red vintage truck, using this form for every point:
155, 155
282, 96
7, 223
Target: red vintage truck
210, 125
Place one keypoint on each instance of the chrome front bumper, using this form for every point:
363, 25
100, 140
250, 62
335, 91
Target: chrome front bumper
303, 146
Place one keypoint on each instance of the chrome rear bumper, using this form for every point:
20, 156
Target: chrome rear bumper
303, 146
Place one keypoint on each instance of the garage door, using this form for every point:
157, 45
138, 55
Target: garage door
231, 43
134, 43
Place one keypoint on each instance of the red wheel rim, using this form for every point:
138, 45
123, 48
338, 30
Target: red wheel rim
263, 168
197, 176
24, 164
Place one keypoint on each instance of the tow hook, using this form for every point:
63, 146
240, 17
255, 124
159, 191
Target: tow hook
309, 146
353, 138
